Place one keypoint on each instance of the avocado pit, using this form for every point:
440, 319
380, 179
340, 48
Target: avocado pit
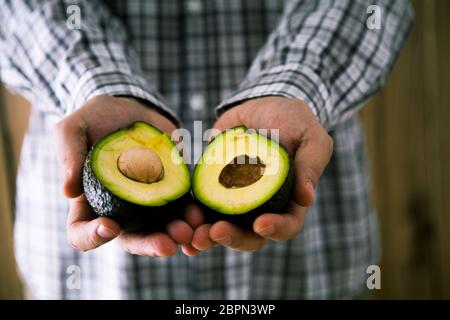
141, 165
242, 171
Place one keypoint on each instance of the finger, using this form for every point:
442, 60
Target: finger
311, 158
189, 250
194, 215
71, 145
84, 233
281, 226
180, 231
148, 112
227, 120
155, 244
201, 240
233, 237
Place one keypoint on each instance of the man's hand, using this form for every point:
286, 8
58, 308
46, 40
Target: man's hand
311, 148
75, 134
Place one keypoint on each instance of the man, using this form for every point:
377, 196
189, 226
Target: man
302, 67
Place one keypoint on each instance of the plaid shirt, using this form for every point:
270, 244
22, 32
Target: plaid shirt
198, 54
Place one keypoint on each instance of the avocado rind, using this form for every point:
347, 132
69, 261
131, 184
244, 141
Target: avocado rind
118, 190
278, 203
130, 216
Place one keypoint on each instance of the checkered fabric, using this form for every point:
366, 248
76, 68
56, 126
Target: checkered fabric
186, 57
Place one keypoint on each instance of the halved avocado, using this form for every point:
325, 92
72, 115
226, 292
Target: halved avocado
241, 175
137, 177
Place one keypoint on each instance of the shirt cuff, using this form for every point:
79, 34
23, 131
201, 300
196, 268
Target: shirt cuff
103, 81
290, 80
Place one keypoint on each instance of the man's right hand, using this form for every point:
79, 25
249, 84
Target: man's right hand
75, 134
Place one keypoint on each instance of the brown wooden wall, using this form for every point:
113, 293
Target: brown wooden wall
408, 131
10, 140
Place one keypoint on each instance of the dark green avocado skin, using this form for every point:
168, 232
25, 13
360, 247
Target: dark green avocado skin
131, 217
279, 203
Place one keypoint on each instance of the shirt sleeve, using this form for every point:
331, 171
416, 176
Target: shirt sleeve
58, 65
331, 54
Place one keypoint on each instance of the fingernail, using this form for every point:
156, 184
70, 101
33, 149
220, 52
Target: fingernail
105, 232
226, 241
190, 251
267, 231
310, 186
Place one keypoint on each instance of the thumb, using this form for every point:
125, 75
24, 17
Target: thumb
310, 160
227, 120
71, 150
84, 232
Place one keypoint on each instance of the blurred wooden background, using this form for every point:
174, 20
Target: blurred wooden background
14, 113
408, 133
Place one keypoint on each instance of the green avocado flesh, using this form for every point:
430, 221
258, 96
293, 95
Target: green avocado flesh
242, 172
133, 203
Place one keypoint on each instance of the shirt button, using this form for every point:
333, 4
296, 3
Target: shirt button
197, 102
194, 6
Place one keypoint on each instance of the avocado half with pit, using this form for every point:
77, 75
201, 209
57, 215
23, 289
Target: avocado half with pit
241, 175
137, 177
